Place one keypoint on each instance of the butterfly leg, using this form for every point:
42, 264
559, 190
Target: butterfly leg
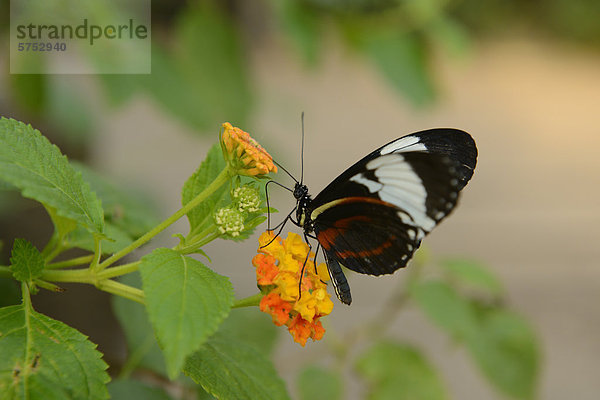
304, 266
280, 226
268, 207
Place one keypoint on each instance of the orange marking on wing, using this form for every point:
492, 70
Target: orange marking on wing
327, 236
366, 253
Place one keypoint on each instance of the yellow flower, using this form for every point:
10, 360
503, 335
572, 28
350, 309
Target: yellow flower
244, 155
291, 299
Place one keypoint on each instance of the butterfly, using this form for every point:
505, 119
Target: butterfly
372, 218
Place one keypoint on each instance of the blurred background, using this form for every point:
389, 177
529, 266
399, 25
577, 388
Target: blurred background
523, 77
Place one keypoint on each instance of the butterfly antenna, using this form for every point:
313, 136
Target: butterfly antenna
286, 171
302, 152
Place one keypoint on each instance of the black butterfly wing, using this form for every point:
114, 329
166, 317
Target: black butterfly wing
372, 218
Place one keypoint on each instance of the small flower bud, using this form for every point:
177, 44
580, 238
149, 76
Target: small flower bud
247, 198
229, 221
243, 154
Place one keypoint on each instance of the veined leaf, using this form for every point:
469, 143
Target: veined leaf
398, 371
34, 165
45, 359
26, 261
230, 369
212, 165
186, 302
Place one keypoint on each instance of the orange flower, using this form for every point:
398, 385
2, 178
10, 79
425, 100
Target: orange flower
244, 155
295, 301
266, 270
277, 307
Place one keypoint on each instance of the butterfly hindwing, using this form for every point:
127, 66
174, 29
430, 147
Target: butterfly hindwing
367, 236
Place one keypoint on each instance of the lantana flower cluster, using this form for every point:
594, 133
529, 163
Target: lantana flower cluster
243, 154
297, 305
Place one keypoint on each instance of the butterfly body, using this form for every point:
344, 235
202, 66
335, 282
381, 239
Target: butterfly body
372, 218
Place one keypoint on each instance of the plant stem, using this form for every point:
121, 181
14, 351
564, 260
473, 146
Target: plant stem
207, 236
210, 189
71, 275
119, 270
97, 253
250, 301
122, 290
71, 263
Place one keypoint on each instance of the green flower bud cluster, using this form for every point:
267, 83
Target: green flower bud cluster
229, 221
247, 198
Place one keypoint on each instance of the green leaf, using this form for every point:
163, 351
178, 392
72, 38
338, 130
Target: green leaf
30, 162
45, 359
202, 216
204, 77
317, 383
27, 262
506, 350
403, 59
142, 347
229, 369
186, 302
446, 308
252, 326
124, 389
473, 275
397, 371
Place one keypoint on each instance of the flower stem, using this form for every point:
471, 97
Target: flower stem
250, 301
210, 189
